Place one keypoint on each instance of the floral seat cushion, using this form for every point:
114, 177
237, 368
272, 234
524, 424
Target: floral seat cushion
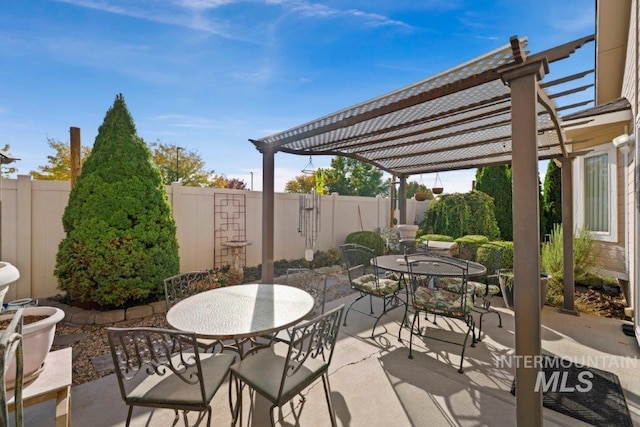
377, 286
440, 300
483, 290
452, 284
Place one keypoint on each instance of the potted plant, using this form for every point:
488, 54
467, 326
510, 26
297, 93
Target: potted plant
507, 280
37, 337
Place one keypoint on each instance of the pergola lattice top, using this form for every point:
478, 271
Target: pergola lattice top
458, 119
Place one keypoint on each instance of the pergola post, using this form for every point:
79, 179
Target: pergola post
268, 188
567, 235
402, 199
523, 79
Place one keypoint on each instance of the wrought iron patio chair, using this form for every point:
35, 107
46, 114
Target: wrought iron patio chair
10, 347
181, 286
312, 281
365, 277
491, 256
391, 237
281, 377
163, 368
429, 296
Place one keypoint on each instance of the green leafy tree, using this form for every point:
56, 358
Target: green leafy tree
58, 166
413, 187
351, 177
552, 197
496, 182
301, 184
120, 235
187, 166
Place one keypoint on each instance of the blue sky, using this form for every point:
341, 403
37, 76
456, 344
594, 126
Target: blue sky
210, 74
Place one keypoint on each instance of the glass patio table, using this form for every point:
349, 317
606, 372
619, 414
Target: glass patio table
429, 266
241, 313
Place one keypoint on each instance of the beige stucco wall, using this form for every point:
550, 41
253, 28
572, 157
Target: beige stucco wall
31, 227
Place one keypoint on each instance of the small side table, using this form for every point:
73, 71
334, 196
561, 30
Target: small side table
54, 382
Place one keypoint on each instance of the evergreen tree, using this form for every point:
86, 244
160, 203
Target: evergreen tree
120, 235
552, 196
496, 182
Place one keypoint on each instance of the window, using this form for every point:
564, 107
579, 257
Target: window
595, 189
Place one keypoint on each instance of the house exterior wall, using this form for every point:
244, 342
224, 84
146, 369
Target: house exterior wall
31, 227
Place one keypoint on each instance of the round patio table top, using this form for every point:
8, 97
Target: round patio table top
429, 265
241, 311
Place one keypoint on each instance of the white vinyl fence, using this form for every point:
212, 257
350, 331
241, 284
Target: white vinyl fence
31, 226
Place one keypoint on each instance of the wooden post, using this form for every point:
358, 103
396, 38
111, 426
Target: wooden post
75, 154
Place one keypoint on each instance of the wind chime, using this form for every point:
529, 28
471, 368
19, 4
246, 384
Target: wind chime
309, 212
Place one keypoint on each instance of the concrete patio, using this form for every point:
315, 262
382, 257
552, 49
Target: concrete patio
375, 384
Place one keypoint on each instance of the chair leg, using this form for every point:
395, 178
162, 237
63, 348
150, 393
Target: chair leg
371, 303
344, 322
237, 412
129, 415
415, 316
327, 393
273, 420
470, 326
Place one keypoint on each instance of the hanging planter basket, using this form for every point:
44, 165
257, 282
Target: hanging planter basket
437, 185
421, 197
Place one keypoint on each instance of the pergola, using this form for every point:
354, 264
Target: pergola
489, 111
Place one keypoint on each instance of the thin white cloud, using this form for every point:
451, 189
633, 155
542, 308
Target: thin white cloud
171, 15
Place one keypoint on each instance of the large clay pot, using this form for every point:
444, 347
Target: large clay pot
507, 289
8, 275
37, 339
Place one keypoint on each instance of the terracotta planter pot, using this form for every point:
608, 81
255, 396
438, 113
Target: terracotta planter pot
507, 290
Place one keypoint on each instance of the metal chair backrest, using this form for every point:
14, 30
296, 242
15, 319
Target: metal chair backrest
314, 282
454, 268
10, 347
181, 286
311, 349
357, 259
155, 351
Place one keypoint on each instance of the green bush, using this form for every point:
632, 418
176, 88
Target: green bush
120, 236
370, 239
472, 239
552, 259
461, 214
496, 182
434, 238
584, 256
507, 253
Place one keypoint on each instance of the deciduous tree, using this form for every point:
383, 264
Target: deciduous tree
58, 167
300, 184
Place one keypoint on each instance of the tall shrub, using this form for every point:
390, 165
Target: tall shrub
120, 235
584, 254
460, 214
552, 196
496, 182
